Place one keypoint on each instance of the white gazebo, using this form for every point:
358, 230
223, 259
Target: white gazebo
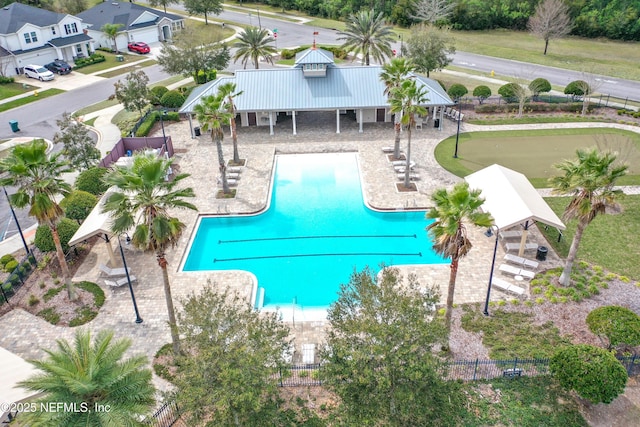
512, 200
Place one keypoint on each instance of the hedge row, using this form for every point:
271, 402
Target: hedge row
85, 62
4, 80
572, 107
634, 114
148, 123
291, 53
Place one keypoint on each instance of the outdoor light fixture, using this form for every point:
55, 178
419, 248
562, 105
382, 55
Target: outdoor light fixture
15, 218
126, 270
455, 154
489, 233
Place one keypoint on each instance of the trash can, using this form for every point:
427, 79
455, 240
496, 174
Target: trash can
14, 125
129, 153
196, 131
119, 58
541, 255
436, 123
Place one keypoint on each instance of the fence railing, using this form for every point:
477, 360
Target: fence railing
166, 415
464, 370
17, 277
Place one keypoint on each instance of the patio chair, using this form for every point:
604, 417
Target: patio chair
113, 272
524, 262
515, 271
412, 176
510, 234
234, 169
120, 282
308, 354
505, 286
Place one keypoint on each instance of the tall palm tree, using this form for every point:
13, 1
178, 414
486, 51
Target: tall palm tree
142, 202
38, 178
91, 378
392, 75
589, 180
212, 115
253, 44
451, 210
406, 100
228, 92
367, 34
112, 31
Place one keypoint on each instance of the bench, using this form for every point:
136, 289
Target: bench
512, 372
515, 271
119, 282
512, 234
516, 246
518, 260
505, 286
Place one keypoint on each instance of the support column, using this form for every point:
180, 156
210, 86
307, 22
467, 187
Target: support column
360, 124
270, 122
193, 135
112, 256
523, 241
338, 121
441, 118
293, 114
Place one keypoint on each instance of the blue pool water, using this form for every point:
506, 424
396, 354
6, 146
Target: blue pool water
316, 231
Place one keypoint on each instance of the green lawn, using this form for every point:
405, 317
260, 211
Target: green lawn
534, 152
29, 99
8, 90
110, 62
609, 241
127, 69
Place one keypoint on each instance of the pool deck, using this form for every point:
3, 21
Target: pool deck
29, 334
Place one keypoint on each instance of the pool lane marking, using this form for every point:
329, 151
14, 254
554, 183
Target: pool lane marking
361, 236
316, 255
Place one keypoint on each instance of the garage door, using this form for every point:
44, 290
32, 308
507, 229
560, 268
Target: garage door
41, 57
147, 35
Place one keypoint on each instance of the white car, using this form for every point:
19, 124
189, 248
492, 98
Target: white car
38, 72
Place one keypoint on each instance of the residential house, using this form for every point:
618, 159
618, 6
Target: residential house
29, 35
139, 23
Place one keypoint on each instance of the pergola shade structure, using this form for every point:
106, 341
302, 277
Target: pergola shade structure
314, 83
512, 200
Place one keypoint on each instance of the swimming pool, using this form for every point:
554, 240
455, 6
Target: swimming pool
316, 230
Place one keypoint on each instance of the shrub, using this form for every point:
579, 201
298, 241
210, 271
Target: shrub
5, 80
539, 86
155, 94
5, 259
33, 300
576, 88
84, 62
508, 91
482, 92
78, 204
592, 372
146, 125
287, 54
457, 91
10, 266
618, 325
44, 239
172, 99
90, 180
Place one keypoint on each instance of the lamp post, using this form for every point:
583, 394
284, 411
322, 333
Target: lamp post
126, 270
259, 22
401, 37
489, 233
163, 114
455, 154
15, 218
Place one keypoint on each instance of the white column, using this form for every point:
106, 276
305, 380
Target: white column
441, 118
270, 122
112, 256
293, 114
360, 124
338, 121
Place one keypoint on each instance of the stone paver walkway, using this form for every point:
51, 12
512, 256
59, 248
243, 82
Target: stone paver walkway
25, 334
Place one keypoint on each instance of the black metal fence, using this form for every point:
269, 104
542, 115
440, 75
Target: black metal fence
17, 277
166, 415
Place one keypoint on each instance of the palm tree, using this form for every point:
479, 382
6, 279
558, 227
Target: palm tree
228, 92
367, 34
142, 202
392, 75
451, 211
406, 100
253, 44
112, 31
93, 380
212, 115
589, 180
38, 178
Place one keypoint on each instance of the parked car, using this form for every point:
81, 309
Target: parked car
59, 67
38, 72
139, 47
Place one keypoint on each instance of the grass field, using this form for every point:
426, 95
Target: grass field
8, 90
609, 241
29, 99
534, 153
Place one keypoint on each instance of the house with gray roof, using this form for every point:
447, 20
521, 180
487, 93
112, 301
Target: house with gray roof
30, 35
138, 23
315, 83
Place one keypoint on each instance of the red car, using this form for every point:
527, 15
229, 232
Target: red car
139, 47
